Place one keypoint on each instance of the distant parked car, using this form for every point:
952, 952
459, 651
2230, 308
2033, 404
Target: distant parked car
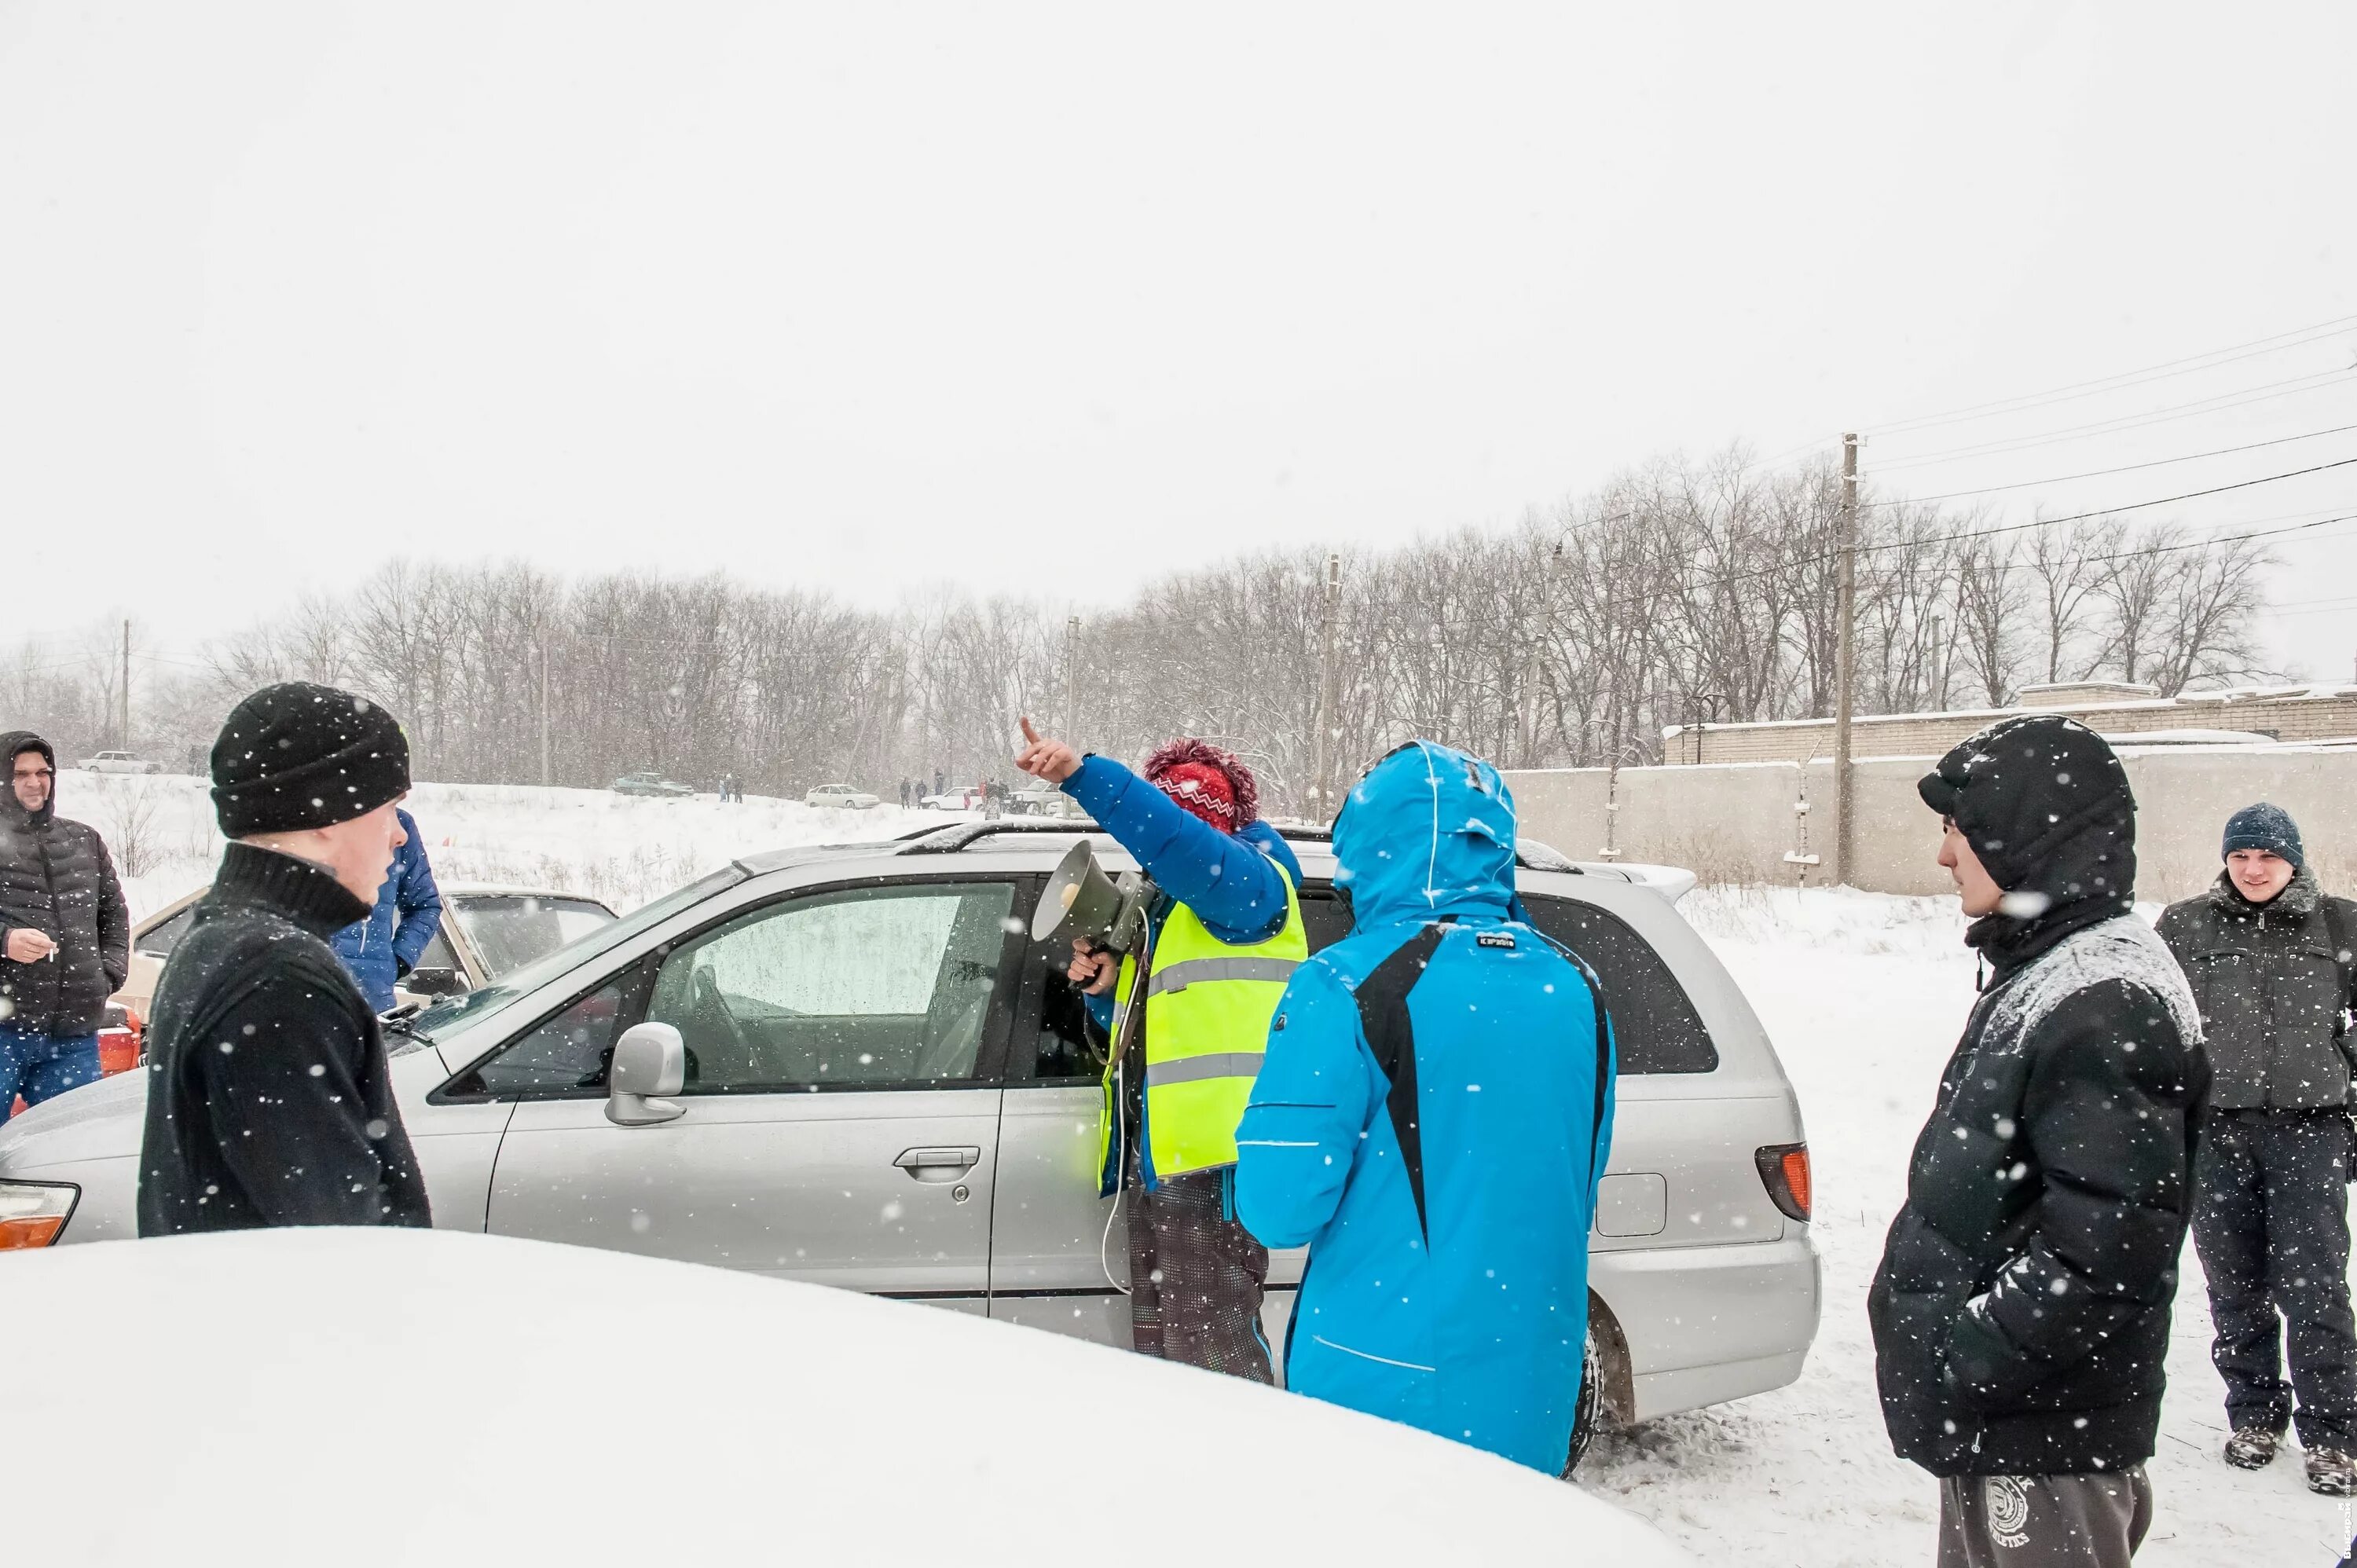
488, 930
842, 795
953, 800
651, 784
1036, 801
118, 762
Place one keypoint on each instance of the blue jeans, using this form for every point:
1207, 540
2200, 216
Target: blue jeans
42, 1067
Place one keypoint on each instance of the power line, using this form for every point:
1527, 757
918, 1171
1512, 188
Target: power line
2233, 353
2122, 468
2016, 527
2218, 403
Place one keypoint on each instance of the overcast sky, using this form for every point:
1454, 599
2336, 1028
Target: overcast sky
1052, 299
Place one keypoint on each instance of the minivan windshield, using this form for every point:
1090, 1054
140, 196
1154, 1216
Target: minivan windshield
473, 1005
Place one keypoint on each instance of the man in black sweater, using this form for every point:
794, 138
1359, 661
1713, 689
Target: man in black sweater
269, 1102
2021, 1313
2268, 954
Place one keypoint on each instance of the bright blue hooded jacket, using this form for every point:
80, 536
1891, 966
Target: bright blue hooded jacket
1229, 880
1444, 1198
381, 949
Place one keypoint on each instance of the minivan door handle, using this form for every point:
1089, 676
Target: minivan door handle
938, 1164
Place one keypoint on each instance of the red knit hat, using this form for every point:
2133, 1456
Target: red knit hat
1209, 782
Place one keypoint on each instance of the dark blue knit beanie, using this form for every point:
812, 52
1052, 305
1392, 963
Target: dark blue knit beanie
2265, 827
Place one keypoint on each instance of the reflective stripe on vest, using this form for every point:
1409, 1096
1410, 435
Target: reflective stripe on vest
1208, 1006
1218, 1064
1197, 970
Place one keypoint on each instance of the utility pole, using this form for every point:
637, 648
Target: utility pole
127, 683
1846, 671
1065, 804
543, 713
1322, 748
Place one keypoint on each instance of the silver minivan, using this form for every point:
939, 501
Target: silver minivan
888, 1087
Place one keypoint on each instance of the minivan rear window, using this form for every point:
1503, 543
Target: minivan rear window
1655, 1028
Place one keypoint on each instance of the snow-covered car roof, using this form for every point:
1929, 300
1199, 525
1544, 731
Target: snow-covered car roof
644, 1410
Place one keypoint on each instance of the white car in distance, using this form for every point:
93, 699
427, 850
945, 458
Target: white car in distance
117, 762
840, 796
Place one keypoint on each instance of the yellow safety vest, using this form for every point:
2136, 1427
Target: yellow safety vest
1208, 1006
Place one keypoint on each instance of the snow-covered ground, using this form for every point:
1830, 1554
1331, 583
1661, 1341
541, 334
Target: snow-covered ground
623, 849
1864, 995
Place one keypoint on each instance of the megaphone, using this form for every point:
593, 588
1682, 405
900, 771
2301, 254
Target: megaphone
1081, 902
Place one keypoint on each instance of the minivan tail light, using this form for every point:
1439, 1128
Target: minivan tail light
32, 1212
1784, 1170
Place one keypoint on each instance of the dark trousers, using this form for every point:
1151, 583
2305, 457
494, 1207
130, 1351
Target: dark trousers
1195, 1278
2271, 1225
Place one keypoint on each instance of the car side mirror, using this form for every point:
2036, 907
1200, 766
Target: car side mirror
649, 1061
433, 983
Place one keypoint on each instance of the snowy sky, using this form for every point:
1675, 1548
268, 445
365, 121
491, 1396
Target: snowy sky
1049, 299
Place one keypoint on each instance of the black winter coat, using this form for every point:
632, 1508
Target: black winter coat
2272, 986
269, 1102
56, 877
2021, 1313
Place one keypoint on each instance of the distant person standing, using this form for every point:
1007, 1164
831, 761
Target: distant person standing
2268, 955
941, 782
904, 794
268, 1101
382, 949
2020, 1315
65, 933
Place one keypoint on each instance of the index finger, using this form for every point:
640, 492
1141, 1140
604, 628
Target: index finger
1028, 733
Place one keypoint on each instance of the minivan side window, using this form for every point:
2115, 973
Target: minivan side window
862, 987
1655, 1028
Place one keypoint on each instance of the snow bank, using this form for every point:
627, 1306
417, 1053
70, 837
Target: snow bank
623, 849
368, 1398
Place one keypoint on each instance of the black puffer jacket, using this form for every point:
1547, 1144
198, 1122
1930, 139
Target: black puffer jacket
2273, 985
56, 877
2021, 1313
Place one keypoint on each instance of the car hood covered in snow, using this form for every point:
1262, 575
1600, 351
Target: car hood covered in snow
534, 1404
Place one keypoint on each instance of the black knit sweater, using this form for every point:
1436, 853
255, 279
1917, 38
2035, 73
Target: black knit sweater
269, 1102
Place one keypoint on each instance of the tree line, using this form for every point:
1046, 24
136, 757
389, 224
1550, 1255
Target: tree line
1683, 592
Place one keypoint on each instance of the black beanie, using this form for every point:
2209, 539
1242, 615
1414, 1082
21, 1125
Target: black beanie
299, 755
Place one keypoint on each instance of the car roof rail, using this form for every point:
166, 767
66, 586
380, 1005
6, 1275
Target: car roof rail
956, 836
1529, 853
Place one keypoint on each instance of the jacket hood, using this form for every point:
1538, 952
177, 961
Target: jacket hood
14, 743
2045, 806
1429, 830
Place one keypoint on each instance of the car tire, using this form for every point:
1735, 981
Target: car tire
1590, 1411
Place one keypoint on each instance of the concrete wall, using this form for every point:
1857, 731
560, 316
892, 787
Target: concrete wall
2296, 713
1736, 822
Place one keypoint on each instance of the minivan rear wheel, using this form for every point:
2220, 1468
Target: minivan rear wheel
1590, 1408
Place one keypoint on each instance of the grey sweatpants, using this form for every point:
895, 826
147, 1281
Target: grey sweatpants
2043, 1522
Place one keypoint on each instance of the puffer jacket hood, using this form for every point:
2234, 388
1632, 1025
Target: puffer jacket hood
14, 743
2045, 806
1428, 832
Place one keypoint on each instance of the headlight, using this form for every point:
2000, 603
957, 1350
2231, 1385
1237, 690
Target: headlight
32, 1212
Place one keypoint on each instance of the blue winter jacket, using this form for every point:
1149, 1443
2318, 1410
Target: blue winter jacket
408, 911
1445, 1202
1229, 880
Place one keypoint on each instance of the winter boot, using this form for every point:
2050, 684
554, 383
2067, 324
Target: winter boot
2251, 1448
2332, 1472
